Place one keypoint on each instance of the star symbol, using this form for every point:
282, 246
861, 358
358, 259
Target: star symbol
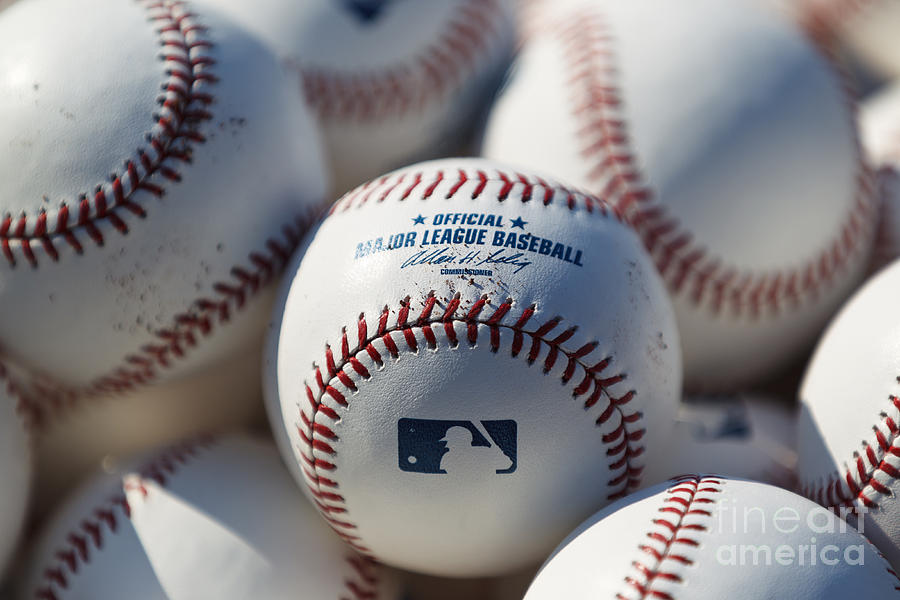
420, 220
518, 222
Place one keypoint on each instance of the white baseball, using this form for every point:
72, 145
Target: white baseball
213, 518
748, 435
157, 174
468, 360
392, 82
15, 464
849, 453
728, 142
706, 538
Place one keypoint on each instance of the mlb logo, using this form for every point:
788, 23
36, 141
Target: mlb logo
456, 447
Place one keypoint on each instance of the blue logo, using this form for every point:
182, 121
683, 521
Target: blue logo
366, 10
456, 447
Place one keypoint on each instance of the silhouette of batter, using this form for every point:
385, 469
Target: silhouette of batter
462, 457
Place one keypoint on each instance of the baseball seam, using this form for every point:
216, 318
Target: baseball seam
454, 323
864, 483
513, 186
429, 76
364, 583
24, 408
685, 265
361, 583
70, 559
204, 313
865, 480
187, 331
183, 106
672, 537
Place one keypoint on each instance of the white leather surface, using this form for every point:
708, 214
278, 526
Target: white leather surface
228, 518
15, 469
69, 128
846, 398
598, 557
475, 521
879, 123
741, 131
328, 38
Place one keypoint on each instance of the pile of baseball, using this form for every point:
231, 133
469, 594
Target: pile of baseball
264, 335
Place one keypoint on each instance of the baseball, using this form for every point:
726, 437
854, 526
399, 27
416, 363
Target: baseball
707, 537
848, 429
212, 518
580, 362
15, 464
462, 350
391, 82
728, 142
156, 176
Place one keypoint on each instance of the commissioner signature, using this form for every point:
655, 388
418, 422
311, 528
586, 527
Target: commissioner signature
445, 256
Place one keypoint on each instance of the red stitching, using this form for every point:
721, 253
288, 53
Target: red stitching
364, 583
199, 321
26, 406
427, 77
40, 398
858, 485
435, 319
681, 260
890, 570
88, 536
528, 188
188, 330
671, 539
182, 108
